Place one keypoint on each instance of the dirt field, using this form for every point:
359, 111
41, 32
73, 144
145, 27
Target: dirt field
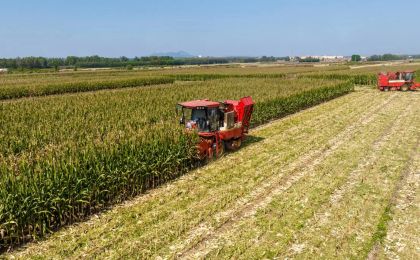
338, 180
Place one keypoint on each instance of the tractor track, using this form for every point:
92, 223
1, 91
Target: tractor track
208, 235
320, 217
409, 175
406, 197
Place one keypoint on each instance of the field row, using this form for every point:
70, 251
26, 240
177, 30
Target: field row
323, 183
29, 78
64, 157
17, 86
38, 89
29, 85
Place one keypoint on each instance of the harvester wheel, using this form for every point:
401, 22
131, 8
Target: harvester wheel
221, 149
210, 155
386, 88
234, 144
238, 143
405, 87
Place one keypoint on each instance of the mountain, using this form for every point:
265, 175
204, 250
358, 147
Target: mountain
179, 54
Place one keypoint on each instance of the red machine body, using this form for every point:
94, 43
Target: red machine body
220, 125
401, 80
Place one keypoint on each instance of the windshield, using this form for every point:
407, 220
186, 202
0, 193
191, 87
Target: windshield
198, 114
409, 76
196, 118
204, 120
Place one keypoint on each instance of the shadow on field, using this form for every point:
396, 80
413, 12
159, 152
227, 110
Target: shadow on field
250, 139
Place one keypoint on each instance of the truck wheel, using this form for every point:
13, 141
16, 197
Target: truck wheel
405, 88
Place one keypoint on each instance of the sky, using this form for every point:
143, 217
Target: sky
60, 28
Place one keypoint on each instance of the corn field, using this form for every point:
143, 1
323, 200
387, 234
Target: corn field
7, 92
65, 157
358, 79
15, 89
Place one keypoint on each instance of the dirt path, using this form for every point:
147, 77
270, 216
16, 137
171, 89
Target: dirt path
280, 195
380, 65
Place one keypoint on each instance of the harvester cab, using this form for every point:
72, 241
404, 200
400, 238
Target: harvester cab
220, 125
202, 115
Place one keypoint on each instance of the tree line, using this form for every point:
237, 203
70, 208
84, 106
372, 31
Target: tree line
391, 57
101, 62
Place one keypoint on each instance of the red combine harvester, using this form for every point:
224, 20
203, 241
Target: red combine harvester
220, 125
402, 80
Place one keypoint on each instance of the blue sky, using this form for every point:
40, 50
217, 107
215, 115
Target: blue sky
208, 27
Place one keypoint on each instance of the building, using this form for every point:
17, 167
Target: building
3, 70
326, 58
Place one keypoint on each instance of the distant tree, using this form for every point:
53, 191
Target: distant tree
356, 57
309, 59
386, 57
129, 67
375, 58
269, 59
71, 60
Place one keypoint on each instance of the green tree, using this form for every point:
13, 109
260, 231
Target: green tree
356, 57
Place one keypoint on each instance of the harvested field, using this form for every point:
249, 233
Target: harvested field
339, 180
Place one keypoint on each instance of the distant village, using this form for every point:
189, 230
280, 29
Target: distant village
325, 58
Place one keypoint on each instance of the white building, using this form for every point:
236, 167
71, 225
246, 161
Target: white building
3, 70
325, 57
